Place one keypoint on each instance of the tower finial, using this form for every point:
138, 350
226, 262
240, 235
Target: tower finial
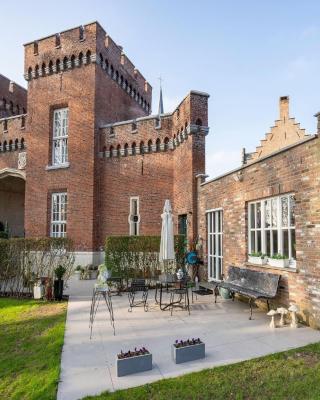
160, 110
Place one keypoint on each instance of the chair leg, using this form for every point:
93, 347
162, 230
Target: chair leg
171, 301
250, 304
188, 303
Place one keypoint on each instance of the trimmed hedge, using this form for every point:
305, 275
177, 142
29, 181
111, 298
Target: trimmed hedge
23, 261
138, 256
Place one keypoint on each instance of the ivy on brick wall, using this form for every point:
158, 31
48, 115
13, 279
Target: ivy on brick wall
23, 261
138, 256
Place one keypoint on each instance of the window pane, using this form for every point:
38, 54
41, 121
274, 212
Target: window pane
267, 204
284, 211
252, 216
292, 210
274, 207
275, 241
258, 241
293, 243
258, 215
268, 243
285, 241
253, 242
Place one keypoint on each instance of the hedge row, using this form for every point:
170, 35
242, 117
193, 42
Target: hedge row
23, 261
138, 256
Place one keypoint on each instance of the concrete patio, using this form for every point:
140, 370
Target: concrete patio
88, 366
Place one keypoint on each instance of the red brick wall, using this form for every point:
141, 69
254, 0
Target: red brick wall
295, 170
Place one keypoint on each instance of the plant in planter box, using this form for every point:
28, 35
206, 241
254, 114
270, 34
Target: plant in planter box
132, 362
77, 272
93, 269
187, 350
279, 260
58, 283
257, 258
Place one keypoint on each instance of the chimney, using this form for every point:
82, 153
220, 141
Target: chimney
318, 122
284, 107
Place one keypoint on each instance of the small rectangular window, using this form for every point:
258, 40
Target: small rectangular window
59, 202
60, 136
134, 216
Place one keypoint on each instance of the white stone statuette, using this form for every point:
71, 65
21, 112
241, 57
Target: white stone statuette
293, 309
282, 311
22, 160
272, 314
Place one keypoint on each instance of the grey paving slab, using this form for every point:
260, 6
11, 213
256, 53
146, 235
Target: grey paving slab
88, 366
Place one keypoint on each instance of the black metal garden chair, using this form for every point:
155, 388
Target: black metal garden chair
137, 287
179, 296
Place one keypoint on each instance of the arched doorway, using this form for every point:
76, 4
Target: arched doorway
12, 194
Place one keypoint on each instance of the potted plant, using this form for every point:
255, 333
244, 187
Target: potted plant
133, 362
257, 258
93, 270
58, 283
187, 350
77, 272
279, 261
38, 289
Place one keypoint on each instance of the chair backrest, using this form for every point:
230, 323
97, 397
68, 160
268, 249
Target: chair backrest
138, 284
254, 280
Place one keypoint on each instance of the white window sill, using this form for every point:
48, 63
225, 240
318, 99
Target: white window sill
58, 166
267, 266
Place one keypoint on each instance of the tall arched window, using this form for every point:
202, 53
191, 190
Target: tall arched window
80, 58
111, 151
4, 147
22, 143
65, 63
150, 146
88, 57
50, 67
16, 144
158, 143
198, 122
126, 147
73, 61
133, 148
43, 69
118, 150
29, 73
166, 144
58, 65
36, 71
142, 147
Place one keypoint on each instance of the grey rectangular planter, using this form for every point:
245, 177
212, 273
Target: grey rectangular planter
133, 365
187, 353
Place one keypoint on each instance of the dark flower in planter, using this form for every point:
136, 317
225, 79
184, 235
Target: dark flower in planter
188, 342
134, 353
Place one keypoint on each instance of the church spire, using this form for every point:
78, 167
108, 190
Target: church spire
160, 110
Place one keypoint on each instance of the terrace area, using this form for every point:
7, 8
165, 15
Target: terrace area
88, 366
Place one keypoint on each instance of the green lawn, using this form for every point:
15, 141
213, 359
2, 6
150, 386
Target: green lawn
31, 339
292, 375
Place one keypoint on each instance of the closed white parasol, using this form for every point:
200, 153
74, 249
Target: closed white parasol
167, 239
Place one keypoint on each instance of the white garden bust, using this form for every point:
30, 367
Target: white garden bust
282, 311
272, 314
293, 310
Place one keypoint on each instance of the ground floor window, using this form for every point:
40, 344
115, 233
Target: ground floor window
59, 202
134, 216
215, 244
271, 225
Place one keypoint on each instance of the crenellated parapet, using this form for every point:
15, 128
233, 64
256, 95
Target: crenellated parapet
12, 133
155, 133
83, 46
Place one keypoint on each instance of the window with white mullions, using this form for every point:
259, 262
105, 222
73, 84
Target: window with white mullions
272, 226
215, 244
134, 216
60, 136
59, 202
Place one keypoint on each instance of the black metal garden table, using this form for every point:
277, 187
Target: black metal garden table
162, 283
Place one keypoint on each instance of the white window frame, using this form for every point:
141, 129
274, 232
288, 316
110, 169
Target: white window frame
58, 225
134, 226
60, 133
215, 243
275, 226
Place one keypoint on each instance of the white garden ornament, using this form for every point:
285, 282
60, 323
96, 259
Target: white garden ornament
294, 320
282, 311
271, 314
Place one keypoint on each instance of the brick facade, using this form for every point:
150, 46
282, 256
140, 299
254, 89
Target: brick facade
109, 104
292, 169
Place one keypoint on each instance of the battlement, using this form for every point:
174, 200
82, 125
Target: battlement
13, 98
79, 47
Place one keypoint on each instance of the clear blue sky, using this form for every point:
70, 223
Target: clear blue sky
245, 54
